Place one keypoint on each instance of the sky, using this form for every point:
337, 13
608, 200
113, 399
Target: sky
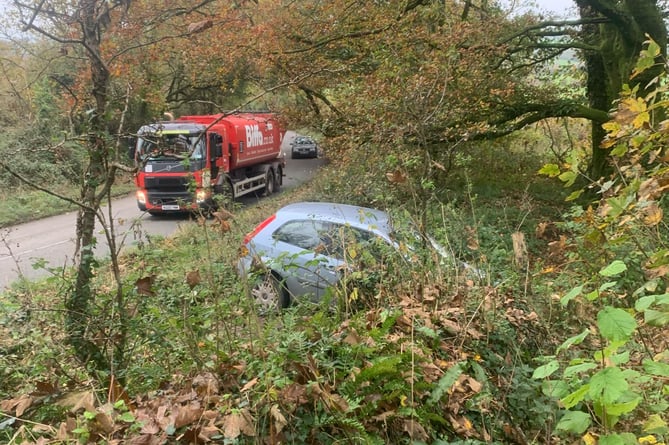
563, 7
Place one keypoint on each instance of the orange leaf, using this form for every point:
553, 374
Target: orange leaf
193, 278
653, 215
396, 177
249, 385
144, 285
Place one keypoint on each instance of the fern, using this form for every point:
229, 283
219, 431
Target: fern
445, 383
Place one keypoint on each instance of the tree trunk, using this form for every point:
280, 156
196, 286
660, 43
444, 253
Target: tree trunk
618, 41
79, 302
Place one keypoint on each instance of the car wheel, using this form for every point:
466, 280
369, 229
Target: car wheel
269, 182
268, 294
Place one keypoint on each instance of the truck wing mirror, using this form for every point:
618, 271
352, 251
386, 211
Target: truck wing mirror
216, 144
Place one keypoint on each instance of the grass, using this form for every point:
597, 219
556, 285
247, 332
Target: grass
25, 204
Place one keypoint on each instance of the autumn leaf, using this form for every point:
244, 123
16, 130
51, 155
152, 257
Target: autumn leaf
193, 278
472, 238
19, 405
396, 177
144, 285
224, 226
197, 27
250, 384
237, 423
415, 430
279, 419
653, 215
222, 215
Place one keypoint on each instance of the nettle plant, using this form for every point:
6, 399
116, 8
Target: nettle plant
611, 381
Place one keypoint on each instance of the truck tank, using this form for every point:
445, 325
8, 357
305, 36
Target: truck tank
252, 138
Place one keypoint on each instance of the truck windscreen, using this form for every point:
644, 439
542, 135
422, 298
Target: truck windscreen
168, 145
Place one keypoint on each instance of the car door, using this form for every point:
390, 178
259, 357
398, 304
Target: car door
302, 258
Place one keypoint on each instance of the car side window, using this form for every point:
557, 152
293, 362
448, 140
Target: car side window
305, 234
344, 242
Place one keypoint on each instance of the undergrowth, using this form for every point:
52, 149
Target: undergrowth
399, 354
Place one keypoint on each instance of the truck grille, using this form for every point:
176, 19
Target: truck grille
166, 184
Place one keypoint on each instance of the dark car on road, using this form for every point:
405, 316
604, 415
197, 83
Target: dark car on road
304, 147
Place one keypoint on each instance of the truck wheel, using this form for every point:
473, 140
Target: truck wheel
269, 182
278, 179
268, 294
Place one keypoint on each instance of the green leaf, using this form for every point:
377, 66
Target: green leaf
656, 318
445, 383
592, 296
576, 369
618, 409
607, 285
655, 425
619, 150
615, 268
575, 397
656, 368
568, 178
618, 439
127, 417
653, 49
644, 303
615, 324
608, 385
574, 195
546, 370
575, 292
550, 170
617, 204
575, 340
574, 422
555, 389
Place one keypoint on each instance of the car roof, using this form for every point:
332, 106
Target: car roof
356, 216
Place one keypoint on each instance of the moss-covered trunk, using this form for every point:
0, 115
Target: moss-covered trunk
616, 33
79, 302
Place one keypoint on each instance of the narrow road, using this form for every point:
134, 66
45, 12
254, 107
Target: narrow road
44, 247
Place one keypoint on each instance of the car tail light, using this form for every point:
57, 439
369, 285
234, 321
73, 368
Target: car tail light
258, 228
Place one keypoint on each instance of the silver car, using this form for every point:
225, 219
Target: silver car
305, 248
303, 147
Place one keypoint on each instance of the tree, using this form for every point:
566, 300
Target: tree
608, 37
485, 55
87, 32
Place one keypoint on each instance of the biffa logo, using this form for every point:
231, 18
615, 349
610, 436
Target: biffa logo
254, 136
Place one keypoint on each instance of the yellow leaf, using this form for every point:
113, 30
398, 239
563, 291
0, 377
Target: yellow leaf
650, 440
637, 105
589, 439
611, 126
641, 119
653, 215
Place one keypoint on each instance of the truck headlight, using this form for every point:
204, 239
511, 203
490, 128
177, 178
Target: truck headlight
141, 197
201, 196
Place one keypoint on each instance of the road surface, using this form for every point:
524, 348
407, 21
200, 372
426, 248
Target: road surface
50, 242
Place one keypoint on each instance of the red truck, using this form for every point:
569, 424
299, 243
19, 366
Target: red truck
186, 163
